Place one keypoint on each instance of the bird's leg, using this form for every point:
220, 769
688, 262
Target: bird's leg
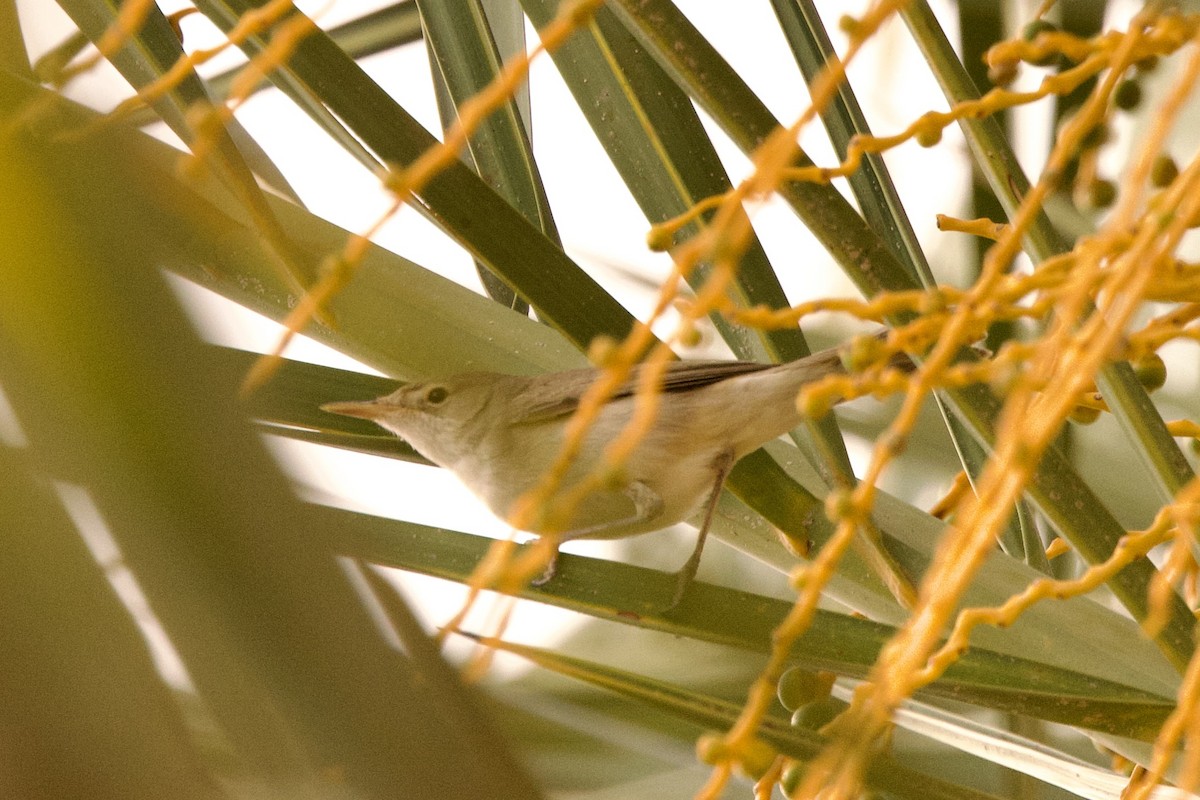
647, 504
722, 464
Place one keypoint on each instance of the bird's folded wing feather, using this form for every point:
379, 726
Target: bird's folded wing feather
558, 394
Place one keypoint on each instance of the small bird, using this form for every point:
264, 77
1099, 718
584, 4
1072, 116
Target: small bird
501, 433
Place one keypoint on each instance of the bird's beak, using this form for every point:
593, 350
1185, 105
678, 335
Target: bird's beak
363, 409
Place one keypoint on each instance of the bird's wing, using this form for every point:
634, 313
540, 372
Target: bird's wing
558, 394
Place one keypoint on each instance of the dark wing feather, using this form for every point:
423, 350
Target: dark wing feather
557, 394
684, 375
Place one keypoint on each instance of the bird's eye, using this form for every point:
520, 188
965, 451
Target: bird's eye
437, 395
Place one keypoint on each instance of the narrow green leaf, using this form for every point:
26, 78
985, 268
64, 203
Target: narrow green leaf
13, 56
506, 21
840, 643
379, 31
460, 38
465, 59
